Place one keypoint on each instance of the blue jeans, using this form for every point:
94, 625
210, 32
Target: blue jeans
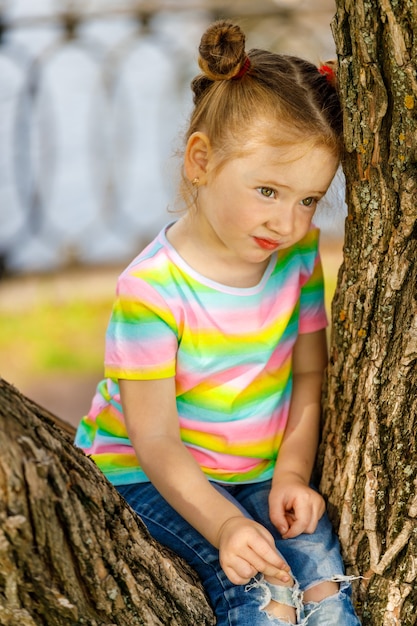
312, 558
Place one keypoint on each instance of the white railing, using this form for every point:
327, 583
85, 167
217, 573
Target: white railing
93, 97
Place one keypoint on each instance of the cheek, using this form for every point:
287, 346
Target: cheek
305, 216
304, 221
243, 221
235, 214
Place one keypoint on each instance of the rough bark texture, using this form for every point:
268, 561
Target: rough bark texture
368, 457
71, 550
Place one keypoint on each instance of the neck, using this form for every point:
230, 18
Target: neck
211, 260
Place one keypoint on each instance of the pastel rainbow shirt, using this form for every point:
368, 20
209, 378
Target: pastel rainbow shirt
229, 349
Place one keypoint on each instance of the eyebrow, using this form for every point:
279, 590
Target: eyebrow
276, 184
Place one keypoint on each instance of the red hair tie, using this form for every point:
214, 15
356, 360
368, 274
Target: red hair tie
328, 72
244, 68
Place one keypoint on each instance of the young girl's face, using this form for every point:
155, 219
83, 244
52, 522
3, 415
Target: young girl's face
264, 201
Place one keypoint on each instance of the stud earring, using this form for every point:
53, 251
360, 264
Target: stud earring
195, 181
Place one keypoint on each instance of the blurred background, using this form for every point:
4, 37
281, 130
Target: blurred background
94, 96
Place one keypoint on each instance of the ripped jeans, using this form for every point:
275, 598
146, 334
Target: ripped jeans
313, 559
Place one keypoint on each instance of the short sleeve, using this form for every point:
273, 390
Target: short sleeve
313, 315
141, 338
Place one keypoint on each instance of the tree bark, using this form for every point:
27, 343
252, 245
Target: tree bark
71, 549
368, 456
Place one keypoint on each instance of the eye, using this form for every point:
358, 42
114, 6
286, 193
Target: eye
267, 192
309, 202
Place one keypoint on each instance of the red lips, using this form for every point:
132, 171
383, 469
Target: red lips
266, 244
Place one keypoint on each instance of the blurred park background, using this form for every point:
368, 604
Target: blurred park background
94, 95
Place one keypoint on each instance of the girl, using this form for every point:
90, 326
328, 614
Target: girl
208, 419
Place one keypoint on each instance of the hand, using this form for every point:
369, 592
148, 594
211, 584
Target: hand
294, 507
247, 548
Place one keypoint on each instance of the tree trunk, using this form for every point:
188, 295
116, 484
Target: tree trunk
72, 552
71, 549
368, 456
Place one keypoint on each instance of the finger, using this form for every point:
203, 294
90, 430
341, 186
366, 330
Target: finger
264, 554
279, 568
279, 519
314, 520
239, 571
306, 520
278, 573
266, 559
297, 528
300, 524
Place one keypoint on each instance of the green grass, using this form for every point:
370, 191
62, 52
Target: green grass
64, 338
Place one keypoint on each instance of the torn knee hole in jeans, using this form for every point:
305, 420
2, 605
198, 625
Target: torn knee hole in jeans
293, 596
289, 596
343, 582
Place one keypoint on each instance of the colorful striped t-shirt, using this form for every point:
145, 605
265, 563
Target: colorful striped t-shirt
229, 349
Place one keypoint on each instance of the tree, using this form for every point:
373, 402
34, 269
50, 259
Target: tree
368, 455
72, 552
71, 549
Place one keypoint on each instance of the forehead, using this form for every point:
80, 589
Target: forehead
301, 167
267, 132
287, 142
277, 128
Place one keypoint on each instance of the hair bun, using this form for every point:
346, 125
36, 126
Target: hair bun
222, 51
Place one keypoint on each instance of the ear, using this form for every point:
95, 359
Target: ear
197, 155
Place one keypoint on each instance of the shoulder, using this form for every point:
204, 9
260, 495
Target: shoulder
154, 252
150, 266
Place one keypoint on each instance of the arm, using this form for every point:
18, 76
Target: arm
295, 507
151, 420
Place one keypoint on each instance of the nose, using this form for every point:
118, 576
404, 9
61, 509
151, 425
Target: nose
282, 220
